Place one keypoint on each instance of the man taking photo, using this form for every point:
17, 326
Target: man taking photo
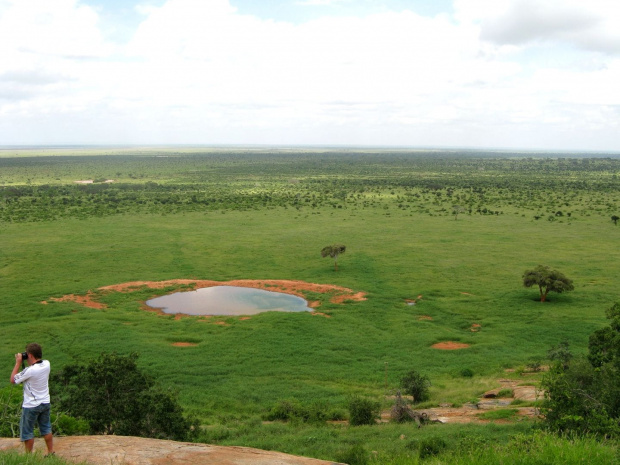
36, 405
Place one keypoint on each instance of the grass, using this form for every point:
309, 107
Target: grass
468, 272
499, 414
36, 458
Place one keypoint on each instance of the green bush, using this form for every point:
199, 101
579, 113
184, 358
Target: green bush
356, 455
582, 394
467, 373
292, 410
10, 411
506, 393
416, 385
115, 397
65, 425
363, 411
431, 446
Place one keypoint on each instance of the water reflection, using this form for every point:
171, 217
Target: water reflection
228, 300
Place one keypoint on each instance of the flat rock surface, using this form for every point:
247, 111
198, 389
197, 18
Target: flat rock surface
106, 450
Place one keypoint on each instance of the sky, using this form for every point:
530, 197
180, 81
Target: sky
508, 74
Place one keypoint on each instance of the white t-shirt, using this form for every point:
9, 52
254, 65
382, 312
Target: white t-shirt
36, 388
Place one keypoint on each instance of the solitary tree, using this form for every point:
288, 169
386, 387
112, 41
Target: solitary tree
333, 251
416, 385
615, 219
456, 209
547, 280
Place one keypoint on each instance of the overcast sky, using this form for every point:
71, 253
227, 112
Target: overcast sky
528, 74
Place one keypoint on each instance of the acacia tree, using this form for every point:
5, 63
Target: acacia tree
547, 280
456, 209
333, 251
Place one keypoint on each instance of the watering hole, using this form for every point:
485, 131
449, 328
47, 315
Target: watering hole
228, 300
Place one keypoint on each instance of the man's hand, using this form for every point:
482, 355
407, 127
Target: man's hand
18, 364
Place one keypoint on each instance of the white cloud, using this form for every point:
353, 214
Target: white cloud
592, 25
198, 71
321, 2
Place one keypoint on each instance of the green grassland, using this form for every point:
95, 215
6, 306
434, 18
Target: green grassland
245, 214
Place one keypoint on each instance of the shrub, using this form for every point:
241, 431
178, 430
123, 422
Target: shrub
363, 411
467, 373
582, 394
431, 446
534, 365
115, 397
416, 385
10, 411
65, 425
506, 393
356, 455
292, 410
560, 353
401, 412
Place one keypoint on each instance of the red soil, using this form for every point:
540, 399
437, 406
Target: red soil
339, 294
450, 345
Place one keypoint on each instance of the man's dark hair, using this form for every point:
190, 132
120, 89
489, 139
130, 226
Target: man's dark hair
35, 349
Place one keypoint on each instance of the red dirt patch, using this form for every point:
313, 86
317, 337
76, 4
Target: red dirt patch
425, 317
87, 300
340, 294
450, 345
475, 328
184, 344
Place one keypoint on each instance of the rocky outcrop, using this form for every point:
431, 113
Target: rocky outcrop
106, 450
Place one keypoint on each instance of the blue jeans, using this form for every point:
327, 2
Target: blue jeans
31, 416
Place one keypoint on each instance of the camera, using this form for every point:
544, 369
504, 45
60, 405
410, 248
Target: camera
24, 356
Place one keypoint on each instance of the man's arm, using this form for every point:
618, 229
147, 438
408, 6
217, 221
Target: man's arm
18, 364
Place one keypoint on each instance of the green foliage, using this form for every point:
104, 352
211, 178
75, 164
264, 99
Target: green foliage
10, 414
467, 373
13, 457
534, 365
560, 353
431, 446
116, 397
65, 425
363, 411
505, 393
356, 455
416, 385
292, 410
547, 280
10, 411
583, 393
498, 414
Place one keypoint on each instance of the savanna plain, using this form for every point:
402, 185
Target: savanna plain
438, 242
